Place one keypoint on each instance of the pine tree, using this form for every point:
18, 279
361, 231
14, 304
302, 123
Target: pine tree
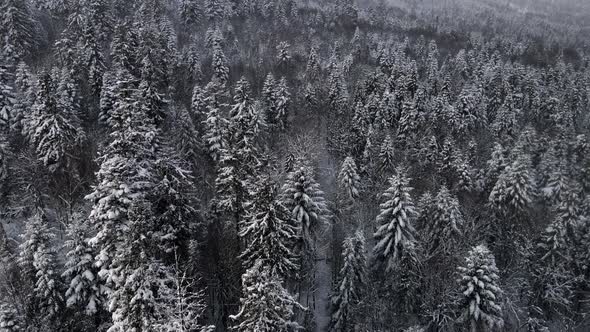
180, 307
216, 125
84, 288
266, 305
187, 138
349, 289
141, 279
174, 202
283, 99
190, 11
215, 9
93, 59
349, 180
37, 260
220, 68
395, 221
386, 155
480, 298
283, 54
51, 130
270, 232
313, 68
269, 98
495, 165
302, 195
337, 91
515, 189
9, 319
126, 166
506, 122
7, 98
69, 102
25, 92
17, 29
446, 221
151, 101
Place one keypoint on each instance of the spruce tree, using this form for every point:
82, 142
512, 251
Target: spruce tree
85, 289
269, 98
386, 155
37, 259
7, 98
50, 129
266, 305
302, 195
270, 232
220, 68
349, 180
9, 319
17, 30
283, 99
481, 296
446, 221
514, 191
395, 230
352, 279
215, 124
283, 54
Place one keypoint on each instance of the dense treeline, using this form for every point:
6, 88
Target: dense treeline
251, 165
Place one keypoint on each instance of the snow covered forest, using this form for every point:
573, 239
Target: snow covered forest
294, 165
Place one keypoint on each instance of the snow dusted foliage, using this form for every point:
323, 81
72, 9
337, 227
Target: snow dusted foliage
215, 125
174, 203
352, 280
51, 129
140, 282
395, 222
220, 67
495, 165
515, 188
37, 259
7, 98
9, 319
302, 195
349, 180
283, 101
4, 163
446, 221
94, 66
150, 100
481, 297
386, 160
270, 232
124, 177
275, 100
85, 289
180, 308
283, 53
17, 29
266, 305
188, 138
269, 97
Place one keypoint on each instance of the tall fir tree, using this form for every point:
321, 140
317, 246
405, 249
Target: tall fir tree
37, 258
395, 230
266, 305
17, 31
349, 181
271, 234
352, 280
481, 296
84, 290
302, 195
